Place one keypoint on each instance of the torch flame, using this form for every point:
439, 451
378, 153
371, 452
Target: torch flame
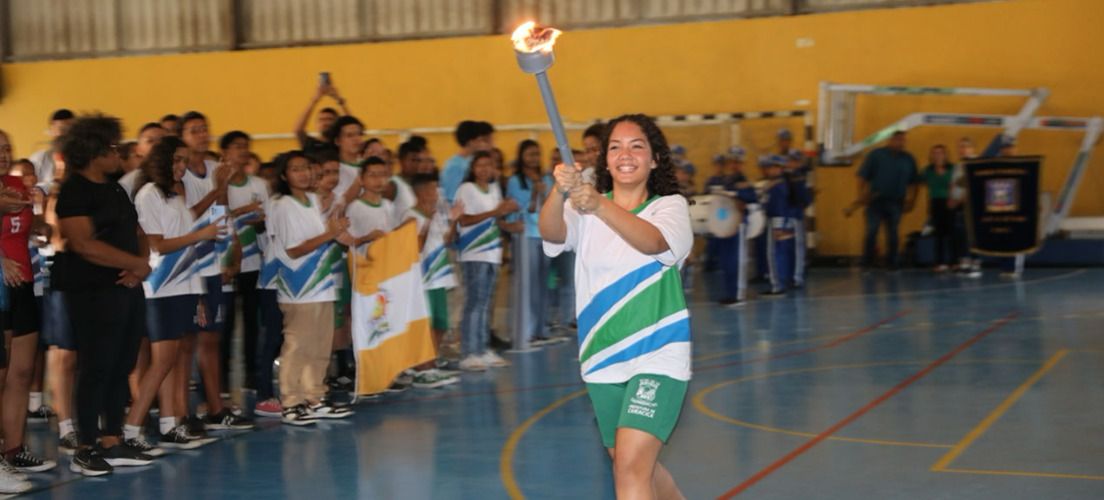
531, 37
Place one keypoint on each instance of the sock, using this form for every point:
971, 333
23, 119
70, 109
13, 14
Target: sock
34, 402
65, 427
166, 424
131, 431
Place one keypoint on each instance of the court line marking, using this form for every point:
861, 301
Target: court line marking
922, 293
995, 415
922, 326
943, 464
698, 401
796, 452
506, 456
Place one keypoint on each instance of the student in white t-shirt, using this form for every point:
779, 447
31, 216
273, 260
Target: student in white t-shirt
246, 196
631, 233
412, 155
347, 134
480, 246
205, 184
172, 294
371, 216
436, 230
305, 244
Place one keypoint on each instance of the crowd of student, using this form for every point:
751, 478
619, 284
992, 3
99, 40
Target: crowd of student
127, 264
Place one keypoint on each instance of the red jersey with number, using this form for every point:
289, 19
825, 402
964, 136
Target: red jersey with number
17, 229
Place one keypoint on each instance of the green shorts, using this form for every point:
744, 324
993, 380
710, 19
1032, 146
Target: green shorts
651, 403
438, 308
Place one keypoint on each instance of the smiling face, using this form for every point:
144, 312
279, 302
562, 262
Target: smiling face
629, 156
484, 169
179, 163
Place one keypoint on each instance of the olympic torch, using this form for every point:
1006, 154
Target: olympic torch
533, 47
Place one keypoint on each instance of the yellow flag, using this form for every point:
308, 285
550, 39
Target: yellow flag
390, 317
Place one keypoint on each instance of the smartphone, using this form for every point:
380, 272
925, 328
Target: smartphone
216, 212
324, 78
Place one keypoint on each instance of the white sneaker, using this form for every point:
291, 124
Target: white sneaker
10, 484
473, 363
493, 360
432, 379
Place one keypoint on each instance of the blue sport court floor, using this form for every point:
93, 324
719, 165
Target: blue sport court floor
883, 385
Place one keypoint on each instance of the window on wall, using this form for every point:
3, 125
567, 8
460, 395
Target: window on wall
64, 29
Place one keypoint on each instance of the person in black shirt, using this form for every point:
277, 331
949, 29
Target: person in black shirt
326, 118
100, 274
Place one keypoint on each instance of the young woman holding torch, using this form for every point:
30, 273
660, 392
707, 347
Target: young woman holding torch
631, 233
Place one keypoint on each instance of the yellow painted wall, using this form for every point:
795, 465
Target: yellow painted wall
738, 65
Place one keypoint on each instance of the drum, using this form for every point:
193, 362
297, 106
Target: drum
756, 220
714, 214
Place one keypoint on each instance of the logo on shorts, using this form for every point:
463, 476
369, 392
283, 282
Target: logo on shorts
643, 403
647, 389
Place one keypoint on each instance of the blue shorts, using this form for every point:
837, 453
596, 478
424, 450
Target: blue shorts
216, 302
56, 330
169, 318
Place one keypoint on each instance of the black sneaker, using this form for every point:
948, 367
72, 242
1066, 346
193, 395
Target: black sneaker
140, 444
68, 444
226, 420
89, 462
42, 414
731, 303
330, 411
298, 415
499, 344
178, 438
195, 426
24, 461
123, 455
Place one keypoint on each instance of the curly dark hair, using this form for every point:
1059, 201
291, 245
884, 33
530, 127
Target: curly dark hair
661, 181
90, 137
157, 167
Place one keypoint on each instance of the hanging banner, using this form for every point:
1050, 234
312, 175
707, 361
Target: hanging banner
1002, 209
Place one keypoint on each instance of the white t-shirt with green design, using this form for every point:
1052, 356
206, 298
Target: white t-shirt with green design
482, 241
631, 310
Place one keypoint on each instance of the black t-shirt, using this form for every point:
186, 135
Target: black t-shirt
114, 221
312, 146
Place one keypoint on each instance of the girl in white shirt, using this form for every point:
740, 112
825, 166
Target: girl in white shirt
172, 294
631, 233
304, 243
480, 257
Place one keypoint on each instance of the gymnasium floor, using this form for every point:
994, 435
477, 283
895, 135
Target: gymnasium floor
900, 385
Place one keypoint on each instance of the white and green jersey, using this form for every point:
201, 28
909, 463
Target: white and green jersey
308, 278
365, 217
436, 269
251, 190
212, 254
173, 273
347, 174
404, 197
482, 241
632, 314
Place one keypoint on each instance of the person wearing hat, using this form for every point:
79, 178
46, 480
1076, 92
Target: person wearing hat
732, 252
43, 159
795, 171
785, 198
888, 183
715, 182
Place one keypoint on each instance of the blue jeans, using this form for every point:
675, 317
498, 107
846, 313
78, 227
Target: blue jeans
479, 286
881, 211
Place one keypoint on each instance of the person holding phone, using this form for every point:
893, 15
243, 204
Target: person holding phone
323, 120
